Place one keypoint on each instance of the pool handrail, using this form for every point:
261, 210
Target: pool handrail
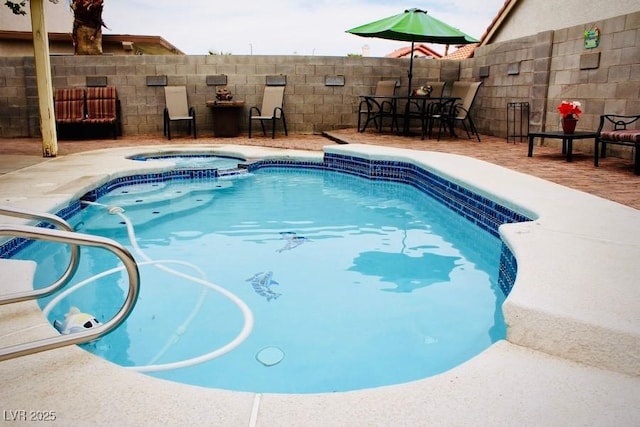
63, 236
74, 258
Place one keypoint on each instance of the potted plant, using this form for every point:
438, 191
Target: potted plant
569, 112
223, 94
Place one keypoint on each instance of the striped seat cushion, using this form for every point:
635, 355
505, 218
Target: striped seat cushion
101, 104
69, 105
624, 135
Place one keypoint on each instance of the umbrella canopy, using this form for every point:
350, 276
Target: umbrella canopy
414, 25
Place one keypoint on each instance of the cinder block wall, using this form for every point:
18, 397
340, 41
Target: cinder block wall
553, 66
311, 105
543, 70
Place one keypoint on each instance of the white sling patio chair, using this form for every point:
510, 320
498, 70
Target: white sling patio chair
467, 92
271, 110
177, 109
375, 108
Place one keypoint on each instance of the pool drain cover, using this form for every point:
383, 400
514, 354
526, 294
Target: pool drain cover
270, 356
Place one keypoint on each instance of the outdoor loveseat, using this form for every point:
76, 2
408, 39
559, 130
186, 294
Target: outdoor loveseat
79, 109
618, 130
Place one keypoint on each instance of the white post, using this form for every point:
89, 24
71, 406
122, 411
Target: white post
43, 80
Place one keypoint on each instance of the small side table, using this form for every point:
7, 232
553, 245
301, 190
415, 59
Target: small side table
567, 140
517, 121
226, 117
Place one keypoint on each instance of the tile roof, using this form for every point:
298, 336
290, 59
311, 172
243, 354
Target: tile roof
497, 21
419, 50
463, 52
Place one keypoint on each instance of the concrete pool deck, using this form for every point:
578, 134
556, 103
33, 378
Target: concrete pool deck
572, 355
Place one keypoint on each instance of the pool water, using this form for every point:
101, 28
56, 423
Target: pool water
194, 161
351, 283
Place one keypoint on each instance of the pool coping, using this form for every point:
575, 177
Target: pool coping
574, 328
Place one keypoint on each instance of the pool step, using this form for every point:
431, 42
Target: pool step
144, 204
151, 193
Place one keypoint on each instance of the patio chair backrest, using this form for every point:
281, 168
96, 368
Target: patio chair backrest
459, 90
101, 102
437, 88
385, 88
69, 104
272, 101
467, 91
175, 98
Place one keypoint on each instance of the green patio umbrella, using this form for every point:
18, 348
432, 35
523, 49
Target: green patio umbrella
414, 25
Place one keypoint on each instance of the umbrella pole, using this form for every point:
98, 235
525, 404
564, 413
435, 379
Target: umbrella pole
410, 68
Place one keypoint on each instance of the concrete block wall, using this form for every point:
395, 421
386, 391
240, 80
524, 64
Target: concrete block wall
14, 110
513, 71
606, 79
311, 106
553, 66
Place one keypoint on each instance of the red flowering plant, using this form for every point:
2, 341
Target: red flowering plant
570, 109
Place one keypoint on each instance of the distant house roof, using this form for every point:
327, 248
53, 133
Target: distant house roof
463, 52
466, 51
418, 50
116, 44
497, 21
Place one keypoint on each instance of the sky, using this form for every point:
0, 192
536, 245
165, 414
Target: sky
282, 27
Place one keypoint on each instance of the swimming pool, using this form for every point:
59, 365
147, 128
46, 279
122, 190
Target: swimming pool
414, 249
465, 394
396, 276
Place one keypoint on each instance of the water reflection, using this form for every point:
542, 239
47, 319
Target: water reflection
409, 272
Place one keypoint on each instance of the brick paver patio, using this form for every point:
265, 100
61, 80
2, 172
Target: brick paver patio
613, 180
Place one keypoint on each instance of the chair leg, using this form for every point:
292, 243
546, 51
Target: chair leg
264, 131
473, 128
465, 128
195, 133
636, 166
442, 123
425, 124
167, 125
394, 121
273, 127
370, 118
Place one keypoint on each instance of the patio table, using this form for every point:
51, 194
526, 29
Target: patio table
567, 140
226, 117
425, 105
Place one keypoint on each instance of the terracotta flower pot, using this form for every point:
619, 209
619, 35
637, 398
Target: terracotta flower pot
569, 125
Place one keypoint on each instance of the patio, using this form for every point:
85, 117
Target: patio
613, 179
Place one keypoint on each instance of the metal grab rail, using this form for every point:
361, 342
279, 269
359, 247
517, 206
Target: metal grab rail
38, 233
74, 259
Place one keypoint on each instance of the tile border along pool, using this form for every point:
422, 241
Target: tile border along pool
571, 357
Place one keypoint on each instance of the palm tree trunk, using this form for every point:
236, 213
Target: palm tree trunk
87, 26
87, 40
